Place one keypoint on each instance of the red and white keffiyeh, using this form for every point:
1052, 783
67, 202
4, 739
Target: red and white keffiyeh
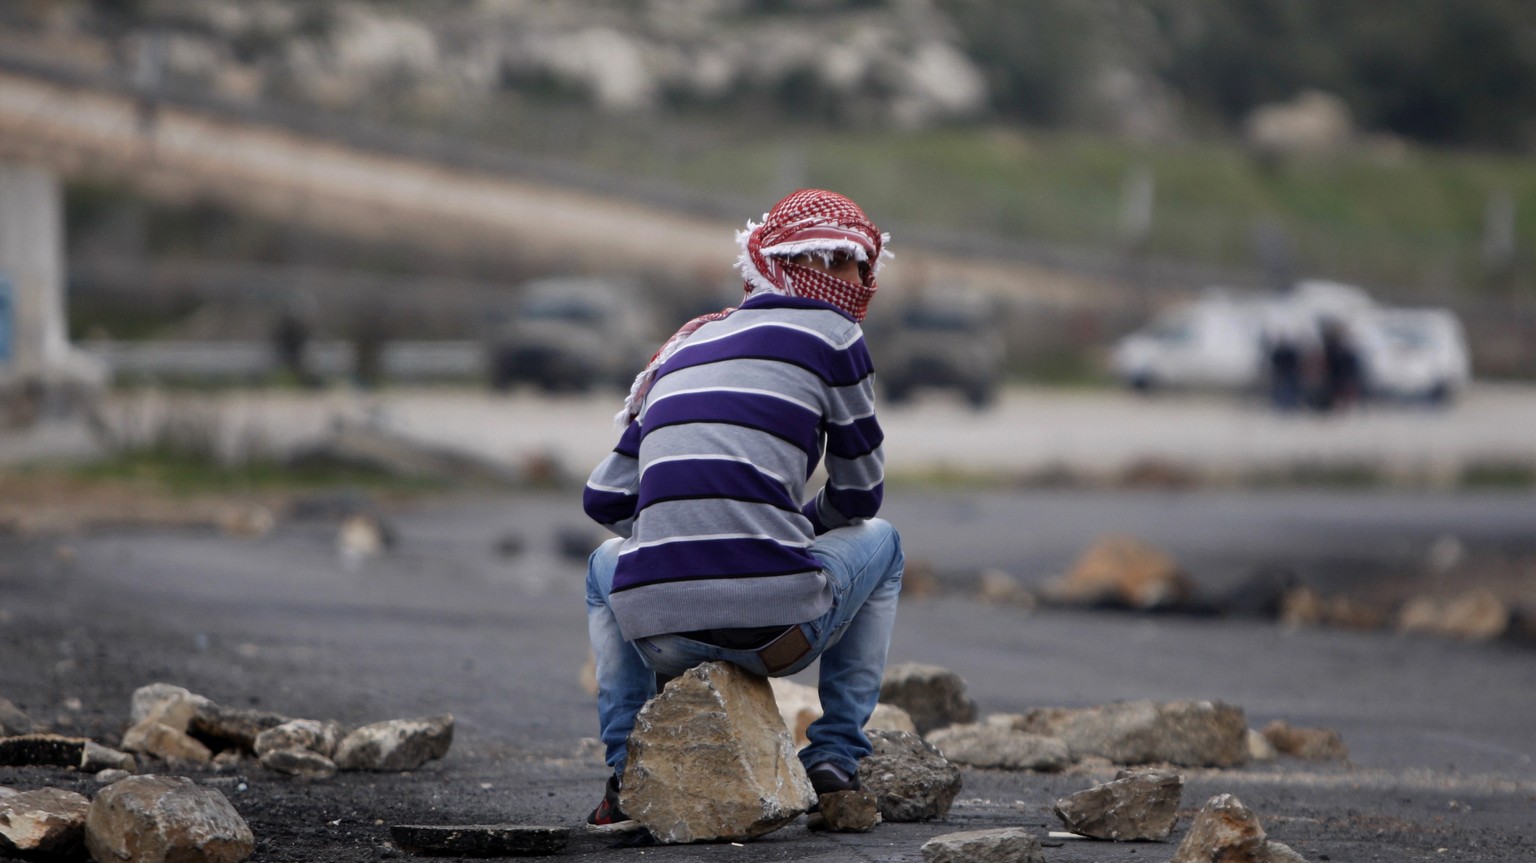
809, 221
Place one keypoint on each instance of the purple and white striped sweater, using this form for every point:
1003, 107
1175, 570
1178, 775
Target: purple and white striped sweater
707, 484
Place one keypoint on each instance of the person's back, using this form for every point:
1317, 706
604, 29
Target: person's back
720, 555
732, 429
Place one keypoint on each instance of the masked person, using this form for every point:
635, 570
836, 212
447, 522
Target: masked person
721, 554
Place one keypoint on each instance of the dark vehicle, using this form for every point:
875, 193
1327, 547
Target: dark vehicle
942, 342
571, 335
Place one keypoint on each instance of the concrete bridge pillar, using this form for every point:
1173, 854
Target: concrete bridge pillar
40, 373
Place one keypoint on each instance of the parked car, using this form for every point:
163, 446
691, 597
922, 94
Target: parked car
571, 334
1229, 341
1413, 354
944, 341
1214, 343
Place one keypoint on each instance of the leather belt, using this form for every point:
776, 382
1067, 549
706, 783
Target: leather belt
777, 647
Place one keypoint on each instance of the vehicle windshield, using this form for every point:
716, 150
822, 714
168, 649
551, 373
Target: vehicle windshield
1172, 330
1406, 336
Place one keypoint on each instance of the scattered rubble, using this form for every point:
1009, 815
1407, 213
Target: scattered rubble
1226, 830
1304, 606
178, 726
710, 759
1476, 615
318, 737
1123, 571
300, 747
159, 819
1006, 845
1136, 806
1316, 744
233, 726
995, 745
909, 777
996, 587
480, 840
932, 695
397, 744
168, 744
1186, 733
48, 822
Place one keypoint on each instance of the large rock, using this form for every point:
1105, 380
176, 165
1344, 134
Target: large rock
397, 744
48, 822
165, 819
1005, 845
1001, 746
1187, 733
933, 696
1136, 806
710, 759
909, 777
1122, 571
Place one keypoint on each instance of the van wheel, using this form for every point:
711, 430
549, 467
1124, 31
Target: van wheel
1142, 382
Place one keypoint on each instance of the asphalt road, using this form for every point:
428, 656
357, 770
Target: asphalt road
477, 611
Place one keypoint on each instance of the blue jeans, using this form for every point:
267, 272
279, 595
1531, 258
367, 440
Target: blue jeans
863, 563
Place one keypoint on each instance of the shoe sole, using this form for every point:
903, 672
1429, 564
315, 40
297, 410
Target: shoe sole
616, 827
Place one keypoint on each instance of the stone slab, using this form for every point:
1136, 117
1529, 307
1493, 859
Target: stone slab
479, 840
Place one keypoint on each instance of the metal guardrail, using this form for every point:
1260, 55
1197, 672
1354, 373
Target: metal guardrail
248, 360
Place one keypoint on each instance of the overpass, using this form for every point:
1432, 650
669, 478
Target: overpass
351, 178
346, 177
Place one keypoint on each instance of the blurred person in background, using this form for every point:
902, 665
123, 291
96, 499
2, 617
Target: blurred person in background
1342, 382
719, 554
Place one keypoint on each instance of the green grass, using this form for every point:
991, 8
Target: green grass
1396, 218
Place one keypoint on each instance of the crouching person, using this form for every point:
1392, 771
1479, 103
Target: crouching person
721, 554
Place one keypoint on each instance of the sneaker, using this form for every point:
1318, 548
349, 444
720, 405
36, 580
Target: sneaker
827, 778
830, 779
607, 817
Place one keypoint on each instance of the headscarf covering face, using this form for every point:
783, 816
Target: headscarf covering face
812, 221
809, 221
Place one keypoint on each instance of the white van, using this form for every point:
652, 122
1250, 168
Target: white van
1412, 354
1213, 343
1222, 341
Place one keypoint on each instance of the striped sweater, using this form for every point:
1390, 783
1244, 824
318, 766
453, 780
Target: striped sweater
708, 484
